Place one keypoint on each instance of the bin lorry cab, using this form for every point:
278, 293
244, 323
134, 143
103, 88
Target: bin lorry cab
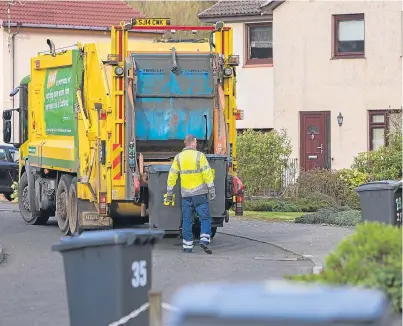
98, 131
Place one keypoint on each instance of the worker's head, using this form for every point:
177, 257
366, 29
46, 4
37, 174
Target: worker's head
190, 141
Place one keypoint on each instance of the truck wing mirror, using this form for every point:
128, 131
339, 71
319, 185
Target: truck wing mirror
6, 131
7, 114
14, 91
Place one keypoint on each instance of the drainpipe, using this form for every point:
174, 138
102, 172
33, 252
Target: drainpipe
13, 60
12, 39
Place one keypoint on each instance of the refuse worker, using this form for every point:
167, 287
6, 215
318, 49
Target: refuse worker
197, 187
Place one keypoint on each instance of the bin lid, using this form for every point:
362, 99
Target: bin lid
158, 168
108, 238
380, 185
216, 156
280, 301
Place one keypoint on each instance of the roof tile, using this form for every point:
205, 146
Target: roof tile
70, 13
229, 8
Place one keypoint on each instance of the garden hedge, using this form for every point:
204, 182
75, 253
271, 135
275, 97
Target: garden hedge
371, 257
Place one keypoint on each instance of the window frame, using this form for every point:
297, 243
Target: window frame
335, 28
255, 62
377, 125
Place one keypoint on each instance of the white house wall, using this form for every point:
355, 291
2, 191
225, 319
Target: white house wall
306, 78
254, 87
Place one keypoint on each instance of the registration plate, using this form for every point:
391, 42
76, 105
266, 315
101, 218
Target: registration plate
151, 22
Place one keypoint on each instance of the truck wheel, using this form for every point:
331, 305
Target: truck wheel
39, 218
8, 197
73, 210
62, 203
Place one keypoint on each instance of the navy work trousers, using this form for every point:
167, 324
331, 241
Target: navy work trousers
200, 205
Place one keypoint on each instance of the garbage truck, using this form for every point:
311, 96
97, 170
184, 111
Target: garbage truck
98, 129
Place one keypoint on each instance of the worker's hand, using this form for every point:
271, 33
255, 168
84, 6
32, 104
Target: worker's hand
169, 198
211, 193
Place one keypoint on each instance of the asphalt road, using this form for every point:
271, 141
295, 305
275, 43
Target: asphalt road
32, 284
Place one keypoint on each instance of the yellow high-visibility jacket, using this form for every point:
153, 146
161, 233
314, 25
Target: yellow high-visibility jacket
195, 173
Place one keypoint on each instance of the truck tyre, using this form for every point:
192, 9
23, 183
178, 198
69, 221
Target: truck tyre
8, 197
73, 208
38, 218
62, 203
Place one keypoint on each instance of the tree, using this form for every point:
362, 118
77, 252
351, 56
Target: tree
262, 159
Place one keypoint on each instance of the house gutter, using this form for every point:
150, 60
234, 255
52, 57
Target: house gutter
238, 18
74, 27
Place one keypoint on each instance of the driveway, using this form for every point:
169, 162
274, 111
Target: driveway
32, 278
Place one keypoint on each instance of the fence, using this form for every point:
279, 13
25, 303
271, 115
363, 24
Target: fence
289, 176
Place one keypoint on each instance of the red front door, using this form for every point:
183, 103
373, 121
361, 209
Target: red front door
314, 133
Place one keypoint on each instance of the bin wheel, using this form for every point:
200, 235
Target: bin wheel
74, 221
39, 218
63, 203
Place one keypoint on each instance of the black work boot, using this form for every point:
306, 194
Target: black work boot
206, 249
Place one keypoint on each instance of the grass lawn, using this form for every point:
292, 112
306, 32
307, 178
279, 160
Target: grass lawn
272, 216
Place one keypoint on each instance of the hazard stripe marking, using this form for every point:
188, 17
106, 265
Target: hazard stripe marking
116, 162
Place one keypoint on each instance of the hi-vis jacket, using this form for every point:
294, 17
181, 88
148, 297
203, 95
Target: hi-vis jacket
195, 173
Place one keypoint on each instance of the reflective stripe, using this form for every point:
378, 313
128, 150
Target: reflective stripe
187, 244
179, 165
187, 247
205, 167
198, 162
173, 170
190, 172
199, 190
210, 185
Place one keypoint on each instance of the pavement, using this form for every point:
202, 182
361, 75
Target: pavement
33, 278
245, 249
312, 241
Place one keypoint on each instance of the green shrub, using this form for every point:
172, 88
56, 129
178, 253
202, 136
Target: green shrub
342, 216
371, 257
285, 205
353, 178
384, 163
326, 182
262, 158
328, 186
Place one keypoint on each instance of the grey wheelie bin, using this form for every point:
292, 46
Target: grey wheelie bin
381, 201
108, 274
279, 303
167, 218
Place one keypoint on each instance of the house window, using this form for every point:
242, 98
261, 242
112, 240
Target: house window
378, 129
349, 36
259, 44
